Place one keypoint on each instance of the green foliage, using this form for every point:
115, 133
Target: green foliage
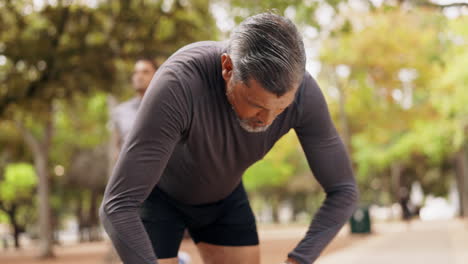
384, 132
81, 122
3, 217
58, 51
19, 182
450, 95
278, 167
17, 192
12, 143
301, 12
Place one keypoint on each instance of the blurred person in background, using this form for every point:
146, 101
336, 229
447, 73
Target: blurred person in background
123, 115
212, 110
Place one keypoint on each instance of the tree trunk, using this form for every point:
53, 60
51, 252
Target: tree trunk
16, 228
16, 234
299, 205
93, 216
395, 170
80, 218
274, 202
40, 150
46, 250
462, 179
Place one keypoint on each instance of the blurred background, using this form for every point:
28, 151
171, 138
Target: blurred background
394, 73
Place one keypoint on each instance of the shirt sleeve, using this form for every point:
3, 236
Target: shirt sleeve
162, 119
330, 164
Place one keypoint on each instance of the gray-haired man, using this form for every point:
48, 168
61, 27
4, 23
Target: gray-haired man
213, 110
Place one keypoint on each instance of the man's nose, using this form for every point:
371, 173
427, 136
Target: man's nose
265, 117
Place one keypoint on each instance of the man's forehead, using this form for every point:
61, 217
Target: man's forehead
255, 92
143, 65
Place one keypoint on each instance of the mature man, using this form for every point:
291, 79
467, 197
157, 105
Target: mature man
214, 109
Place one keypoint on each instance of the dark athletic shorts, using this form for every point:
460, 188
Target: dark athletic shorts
229, 222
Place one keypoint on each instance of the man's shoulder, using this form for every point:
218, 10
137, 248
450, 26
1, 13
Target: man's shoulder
308, 90
207, 47
309, 98
198, 54
196, 68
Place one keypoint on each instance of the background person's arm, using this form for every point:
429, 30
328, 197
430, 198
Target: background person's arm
330, 164
161, 120
115, 142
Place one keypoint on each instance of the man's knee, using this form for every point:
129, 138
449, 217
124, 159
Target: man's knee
168, 261
214, 254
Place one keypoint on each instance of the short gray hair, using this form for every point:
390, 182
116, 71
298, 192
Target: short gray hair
269, 49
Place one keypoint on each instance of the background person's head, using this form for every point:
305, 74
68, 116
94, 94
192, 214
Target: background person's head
143, 72
264, 65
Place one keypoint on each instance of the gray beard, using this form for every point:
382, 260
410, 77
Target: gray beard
251, 129
244, 124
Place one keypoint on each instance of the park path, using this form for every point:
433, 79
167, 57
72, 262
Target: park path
432, 242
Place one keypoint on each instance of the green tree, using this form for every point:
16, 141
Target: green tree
388, 77
450, 96
17, 190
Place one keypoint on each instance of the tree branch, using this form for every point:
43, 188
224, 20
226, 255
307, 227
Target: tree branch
52, 58
49, 129
29, 138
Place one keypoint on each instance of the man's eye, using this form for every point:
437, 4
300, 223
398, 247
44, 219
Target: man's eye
256, 106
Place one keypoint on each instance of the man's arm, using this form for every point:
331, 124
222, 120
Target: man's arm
330, 164
162, 118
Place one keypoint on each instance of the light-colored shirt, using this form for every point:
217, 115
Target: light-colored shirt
123, 117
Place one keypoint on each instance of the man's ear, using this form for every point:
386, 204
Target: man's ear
226, 64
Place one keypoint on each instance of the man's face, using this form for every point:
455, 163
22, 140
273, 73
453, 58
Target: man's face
142, 74
256, 108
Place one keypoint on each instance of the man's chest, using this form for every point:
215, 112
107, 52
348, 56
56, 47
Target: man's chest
215, 136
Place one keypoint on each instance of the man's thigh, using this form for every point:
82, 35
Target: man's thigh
164, 226
215, 254
232, 237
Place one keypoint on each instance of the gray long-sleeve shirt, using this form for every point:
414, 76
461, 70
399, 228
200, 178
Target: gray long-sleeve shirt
188, 141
